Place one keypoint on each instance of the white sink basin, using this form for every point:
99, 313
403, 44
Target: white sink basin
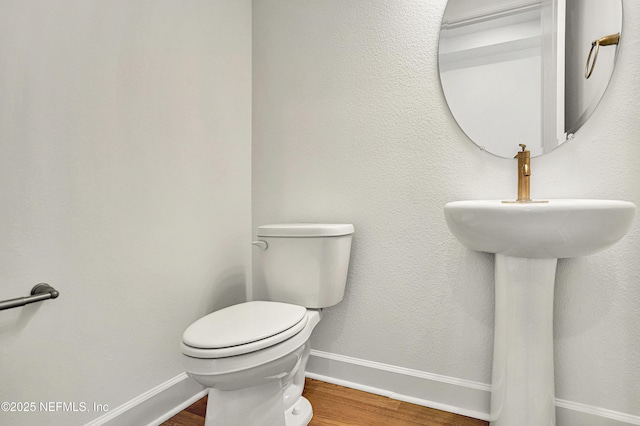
528, 239
557, 229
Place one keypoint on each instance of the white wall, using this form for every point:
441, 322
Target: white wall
350, 125
125, 183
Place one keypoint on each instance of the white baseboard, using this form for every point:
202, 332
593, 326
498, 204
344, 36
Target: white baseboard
464, 397
458, 396
445, 393
574, 413
156, 405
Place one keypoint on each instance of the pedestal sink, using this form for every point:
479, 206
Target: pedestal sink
528, 239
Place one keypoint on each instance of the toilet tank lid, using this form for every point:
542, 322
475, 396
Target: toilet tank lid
305, 230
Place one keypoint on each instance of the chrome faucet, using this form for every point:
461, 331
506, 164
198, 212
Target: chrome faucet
524, 174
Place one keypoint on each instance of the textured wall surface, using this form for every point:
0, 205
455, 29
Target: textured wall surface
125, 183
350, 125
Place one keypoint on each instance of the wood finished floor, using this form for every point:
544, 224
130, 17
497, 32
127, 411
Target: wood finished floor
339, 406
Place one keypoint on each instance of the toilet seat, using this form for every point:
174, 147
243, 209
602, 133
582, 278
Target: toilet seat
243, 328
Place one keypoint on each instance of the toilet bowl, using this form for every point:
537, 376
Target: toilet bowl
259, 387
252, 356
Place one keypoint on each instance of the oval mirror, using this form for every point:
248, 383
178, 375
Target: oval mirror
522, 71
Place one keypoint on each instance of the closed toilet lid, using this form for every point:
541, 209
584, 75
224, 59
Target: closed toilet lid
246, 327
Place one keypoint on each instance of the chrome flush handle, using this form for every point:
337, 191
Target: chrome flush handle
262, 245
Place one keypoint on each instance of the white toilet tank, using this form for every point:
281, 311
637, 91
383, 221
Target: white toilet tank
305, 264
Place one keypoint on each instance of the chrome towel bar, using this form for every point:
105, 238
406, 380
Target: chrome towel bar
40, 292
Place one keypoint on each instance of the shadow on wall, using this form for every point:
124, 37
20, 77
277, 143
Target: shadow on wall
15, 322
476, 294
576, 310
228, 288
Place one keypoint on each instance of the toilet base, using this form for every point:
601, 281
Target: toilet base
249, 407
300, 414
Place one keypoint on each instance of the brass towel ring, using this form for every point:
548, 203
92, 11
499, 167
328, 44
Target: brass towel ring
595, 47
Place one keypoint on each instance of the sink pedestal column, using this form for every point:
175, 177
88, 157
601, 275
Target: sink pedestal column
523, 390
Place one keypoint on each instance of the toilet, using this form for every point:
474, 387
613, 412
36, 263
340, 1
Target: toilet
252, 356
